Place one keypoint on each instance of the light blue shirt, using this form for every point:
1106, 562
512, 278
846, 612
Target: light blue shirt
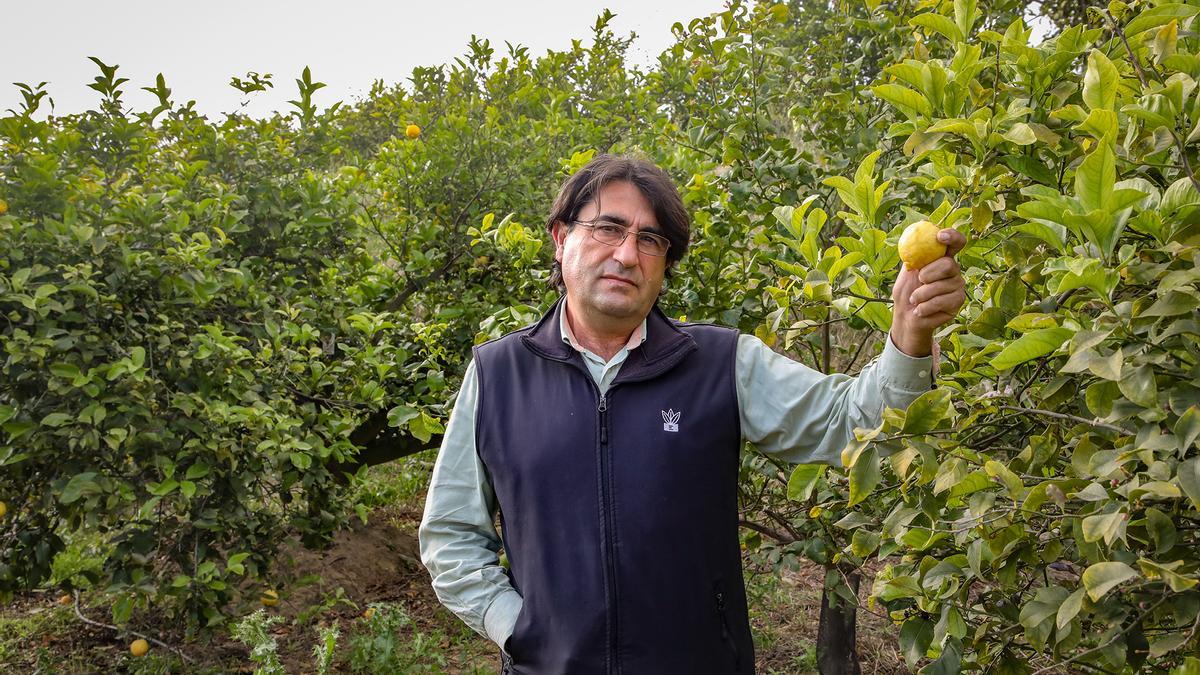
787, 410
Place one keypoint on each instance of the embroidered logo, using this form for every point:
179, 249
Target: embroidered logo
670, 420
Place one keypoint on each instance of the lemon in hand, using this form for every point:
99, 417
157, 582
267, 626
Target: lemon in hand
919, 245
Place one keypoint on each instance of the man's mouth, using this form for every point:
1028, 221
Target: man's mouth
620, 279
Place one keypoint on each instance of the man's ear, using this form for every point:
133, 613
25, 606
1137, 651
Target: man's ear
558, 232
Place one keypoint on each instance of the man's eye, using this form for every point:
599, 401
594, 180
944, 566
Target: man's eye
610, 229
649, 239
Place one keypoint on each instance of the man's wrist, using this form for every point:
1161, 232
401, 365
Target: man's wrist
910, 343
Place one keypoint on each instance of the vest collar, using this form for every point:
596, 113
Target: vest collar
665, 345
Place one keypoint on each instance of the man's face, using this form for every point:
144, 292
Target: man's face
607, 282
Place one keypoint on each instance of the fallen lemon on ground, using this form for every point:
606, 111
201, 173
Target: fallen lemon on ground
64, 599
3, 509
369, 613
139, 647
269, 598
412, 131
919, 245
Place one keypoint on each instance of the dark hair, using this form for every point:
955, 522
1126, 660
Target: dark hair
655, 185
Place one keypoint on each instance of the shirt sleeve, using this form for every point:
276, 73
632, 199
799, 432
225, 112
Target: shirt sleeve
459, 542
803, 416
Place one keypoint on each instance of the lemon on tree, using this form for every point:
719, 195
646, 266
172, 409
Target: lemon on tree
3, 509
412, 131
919, 245
139, 647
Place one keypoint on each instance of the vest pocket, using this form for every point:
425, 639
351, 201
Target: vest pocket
726, 634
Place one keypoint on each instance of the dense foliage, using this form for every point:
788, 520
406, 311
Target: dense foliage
209, 325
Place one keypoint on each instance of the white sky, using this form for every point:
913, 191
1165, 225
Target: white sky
198, 46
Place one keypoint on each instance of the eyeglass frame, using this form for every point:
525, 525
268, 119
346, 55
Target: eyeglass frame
591, 225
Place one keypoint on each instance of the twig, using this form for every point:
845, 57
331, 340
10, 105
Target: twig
147, 638
1069, 418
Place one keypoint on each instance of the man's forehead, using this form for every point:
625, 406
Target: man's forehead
622, 211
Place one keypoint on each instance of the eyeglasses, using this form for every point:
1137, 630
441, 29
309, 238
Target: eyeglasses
613, 234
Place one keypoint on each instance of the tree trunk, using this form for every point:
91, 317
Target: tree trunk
837, 646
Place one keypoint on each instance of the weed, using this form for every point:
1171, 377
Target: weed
323, 651
252, 631
390, 643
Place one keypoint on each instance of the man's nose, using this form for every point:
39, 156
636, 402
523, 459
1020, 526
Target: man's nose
627, 251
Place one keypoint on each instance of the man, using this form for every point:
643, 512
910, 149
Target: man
607, 436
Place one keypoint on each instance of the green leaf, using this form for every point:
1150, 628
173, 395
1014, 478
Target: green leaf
1021, 134
803, 480
1095, 178
927, 411
1100, 82
949, 662
964, 15
1189, 480
915, 637
164, 488
1138, 385
905, 99
938, 24
1187, 429
1106, 526
400, 415
1044, 605
1102, 577
1168, 573
864, 476
1031, 346
56, 419
1069, 609
80, 485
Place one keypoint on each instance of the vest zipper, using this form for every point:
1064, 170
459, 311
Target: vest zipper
609, 534
725, 632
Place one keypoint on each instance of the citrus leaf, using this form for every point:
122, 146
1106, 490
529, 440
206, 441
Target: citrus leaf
803, 480
1101, 578
1100, 82
1031, 346
864, 475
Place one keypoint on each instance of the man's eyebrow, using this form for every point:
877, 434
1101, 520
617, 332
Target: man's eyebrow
621, 220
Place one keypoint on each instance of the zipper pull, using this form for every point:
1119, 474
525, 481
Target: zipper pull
720, 601
603, 407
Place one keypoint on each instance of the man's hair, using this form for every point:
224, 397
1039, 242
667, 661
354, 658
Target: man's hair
655, 185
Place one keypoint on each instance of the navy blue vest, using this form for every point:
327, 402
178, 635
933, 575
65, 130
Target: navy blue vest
619, 514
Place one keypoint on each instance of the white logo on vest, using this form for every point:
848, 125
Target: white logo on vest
670, 420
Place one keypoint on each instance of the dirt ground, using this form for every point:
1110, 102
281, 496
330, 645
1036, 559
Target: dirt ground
379, 563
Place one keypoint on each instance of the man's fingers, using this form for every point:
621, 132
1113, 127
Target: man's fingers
948, 303
926, 292
942, 268
954, 240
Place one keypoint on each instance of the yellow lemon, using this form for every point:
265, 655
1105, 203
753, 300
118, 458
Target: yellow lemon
139, 647
269, 598
412, 131
919, 245
369, 613
64, 599
3, 207
3, 509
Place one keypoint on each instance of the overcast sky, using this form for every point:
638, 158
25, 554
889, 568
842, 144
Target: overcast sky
199, 46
